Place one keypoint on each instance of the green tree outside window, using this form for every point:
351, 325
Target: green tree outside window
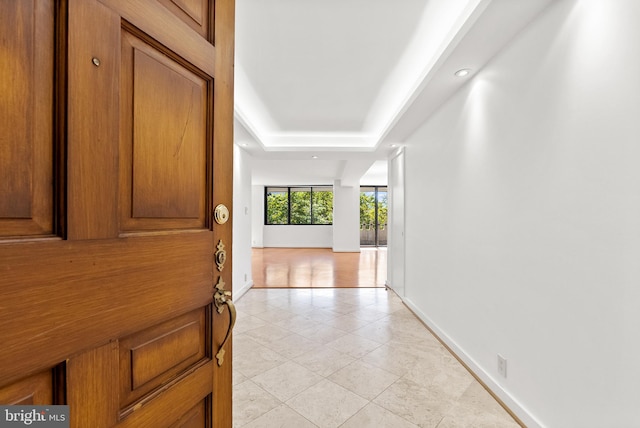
299, 205
277, 206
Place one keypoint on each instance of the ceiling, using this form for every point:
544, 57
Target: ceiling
324, 88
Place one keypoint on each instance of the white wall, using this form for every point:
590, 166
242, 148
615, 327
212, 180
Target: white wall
298, 236
257, 216
241, 218
523, 218
396, 240
346, 218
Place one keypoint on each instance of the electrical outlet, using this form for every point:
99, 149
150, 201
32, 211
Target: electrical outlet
502, 365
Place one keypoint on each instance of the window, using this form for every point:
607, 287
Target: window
373, 215
298, 205
277, 205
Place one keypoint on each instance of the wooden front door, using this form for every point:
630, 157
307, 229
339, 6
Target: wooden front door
115, 147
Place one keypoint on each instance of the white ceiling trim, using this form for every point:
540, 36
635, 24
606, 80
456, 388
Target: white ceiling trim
441, 25
419, 79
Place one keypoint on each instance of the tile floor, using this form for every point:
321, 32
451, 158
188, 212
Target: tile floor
348, 358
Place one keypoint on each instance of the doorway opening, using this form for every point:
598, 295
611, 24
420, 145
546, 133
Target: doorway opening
373, 216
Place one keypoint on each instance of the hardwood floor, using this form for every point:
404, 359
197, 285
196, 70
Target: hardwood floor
318, 268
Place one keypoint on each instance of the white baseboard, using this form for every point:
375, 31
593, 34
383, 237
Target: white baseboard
514, 405
239, 292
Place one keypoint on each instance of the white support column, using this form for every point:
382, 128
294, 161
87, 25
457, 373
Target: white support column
346, 218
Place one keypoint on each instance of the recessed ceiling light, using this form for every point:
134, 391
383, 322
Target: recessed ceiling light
393, 145
462, 72
314, 157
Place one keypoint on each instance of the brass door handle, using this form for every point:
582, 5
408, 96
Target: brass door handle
220, 299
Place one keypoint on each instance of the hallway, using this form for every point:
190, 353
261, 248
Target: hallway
321, 357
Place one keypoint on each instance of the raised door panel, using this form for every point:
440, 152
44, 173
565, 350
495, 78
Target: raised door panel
154, 356
197, 14
165, 120
33, 390
194, 418
156, 21
26, 118
100, 389
173, 402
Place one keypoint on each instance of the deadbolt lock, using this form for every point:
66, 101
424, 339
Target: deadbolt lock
221, 214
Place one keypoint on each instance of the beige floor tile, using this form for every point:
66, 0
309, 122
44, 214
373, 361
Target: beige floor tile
477, 400
237, 377
267, 334
406, 318
364, 379
252, 307
297, 324
440, 371
363, 298
286, 380
401, 311
250, 402
257, 360
462, 417
395, 359
322, 333
293, 346
389, 306
356, 346
246, 322
243, 344
374, 416
382, 369
417, 344
318, 314
380, 331
302, 309
347, 322
415, 403
369, 314
390, 330
274, 314
275, 294
281, 417
334, 305
324, 361
408, 332
327, 404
